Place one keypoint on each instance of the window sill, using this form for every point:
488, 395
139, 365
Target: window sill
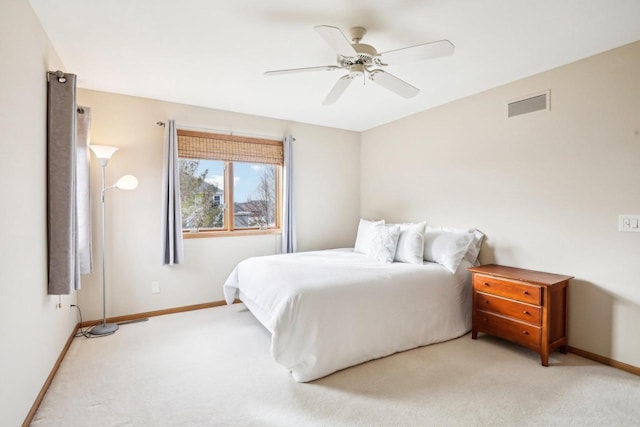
204, 234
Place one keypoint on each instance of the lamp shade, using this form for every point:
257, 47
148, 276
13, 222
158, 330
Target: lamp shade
103, 152
127, 182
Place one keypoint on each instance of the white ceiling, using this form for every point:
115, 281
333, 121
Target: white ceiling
213, 53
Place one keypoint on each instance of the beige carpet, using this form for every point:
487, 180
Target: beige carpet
212, 367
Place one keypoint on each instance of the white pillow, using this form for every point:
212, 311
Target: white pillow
476, 241
363, 238
410, 243
384, 240
474, 249
447, 248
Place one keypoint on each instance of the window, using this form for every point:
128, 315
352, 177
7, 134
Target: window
254, 190
229, 184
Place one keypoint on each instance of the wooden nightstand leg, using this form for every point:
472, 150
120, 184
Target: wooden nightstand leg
474, 335
544, 358
564, 349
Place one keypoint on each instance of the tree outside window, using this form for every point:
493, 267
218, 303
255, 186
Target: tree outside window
200, 194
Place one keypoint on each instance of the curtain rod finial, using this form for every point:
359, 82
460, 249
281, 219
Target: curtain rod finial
59, 75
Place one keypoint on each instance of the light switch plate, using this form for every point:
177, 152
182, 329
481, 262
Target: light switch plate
155, 287
629, 223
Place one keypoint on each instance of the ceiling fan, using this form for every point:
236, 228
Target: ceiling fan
361, 59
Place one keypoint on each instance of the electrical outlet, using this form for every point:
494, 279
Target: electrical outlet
629, 223
155, 287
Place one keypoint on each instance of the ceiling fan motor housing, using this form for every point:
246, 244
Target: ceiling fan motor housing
365, 55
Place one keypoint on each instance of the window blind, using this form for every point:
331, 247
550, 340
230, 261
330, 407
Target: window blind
211, 146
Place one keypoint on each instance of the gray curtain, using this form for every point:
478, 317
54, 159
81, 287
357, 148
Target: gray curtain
62, 220
83, 139
171, 216
288, 219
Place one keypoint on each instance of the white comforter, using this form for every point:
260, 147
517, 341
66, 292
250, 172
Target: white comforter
328, 310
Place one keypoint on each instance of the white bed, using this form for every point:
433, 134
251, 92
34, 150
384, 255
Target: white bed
328, 310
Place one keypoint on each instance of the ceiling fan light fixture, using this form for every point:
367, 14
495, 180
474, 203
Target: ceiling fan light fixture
356, 70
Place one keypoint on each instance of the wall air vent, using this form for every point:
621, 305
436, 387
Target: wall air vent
529, 104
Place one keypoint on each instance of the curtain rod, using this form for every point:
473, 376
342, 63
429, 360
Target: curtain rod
224, 131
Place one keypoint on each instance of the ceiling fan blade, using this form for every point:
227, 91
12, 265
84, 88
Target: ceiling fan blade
394, 84
302, 70
336, 39
418, 53
338, 89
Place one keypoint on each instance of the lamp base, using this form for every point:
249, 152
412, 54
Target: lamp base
104, 329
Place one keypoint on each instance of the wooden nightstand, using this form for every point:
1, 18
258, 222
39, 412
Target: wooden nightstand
523, 306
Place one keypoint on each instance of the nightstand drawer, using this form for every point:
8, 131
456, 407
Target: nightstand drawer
525, 312
512, 330
519, 291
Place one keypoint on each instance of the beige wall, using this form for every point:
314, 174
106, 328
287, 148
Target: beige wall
327, 193
546, 187
33, 330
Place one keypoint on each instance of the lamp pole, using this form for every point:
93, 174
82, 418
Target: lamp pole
104, 328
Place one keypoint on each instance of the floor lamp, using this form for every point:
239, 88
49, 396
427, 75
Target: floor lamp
128, 182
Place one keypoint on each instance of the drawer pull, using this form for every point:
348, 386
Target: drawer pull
527, 313
525, 332
486, 301
525, 292
486, 284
